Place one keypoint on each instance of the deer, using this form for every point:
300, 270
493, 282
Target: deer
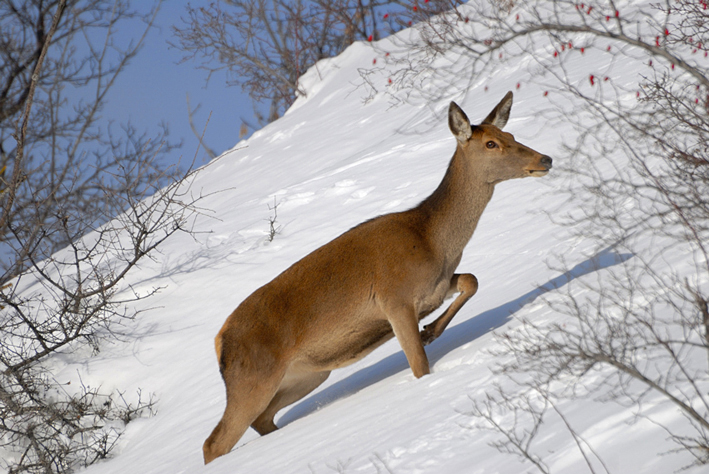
374, 282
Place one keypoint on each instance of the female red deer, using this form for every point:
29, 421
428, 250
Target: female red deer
375, 281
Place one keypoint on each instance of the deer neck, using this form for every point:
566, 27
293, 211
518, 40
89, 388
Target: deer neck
453, 210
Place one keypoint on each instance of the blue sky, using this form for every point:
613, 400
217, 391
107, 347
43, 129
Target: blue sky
154, 86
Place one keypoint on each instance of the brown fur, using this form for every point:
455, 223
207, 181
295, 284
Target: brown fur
373, 282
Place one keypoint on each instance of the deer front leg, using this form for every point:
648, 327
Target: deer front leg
467, 285
404, 322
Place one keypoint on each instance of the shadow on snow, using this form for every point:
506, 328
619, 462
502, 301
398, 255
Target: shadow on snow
451, 339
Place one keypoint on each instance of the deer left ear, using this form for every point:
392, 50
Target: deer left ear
458, 123
501, 113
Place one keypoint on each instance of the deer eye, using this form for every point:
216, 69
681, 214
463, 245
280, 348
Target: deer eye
491, 144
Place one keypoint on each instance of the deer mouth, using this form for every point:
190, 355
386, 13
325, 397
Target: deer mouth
538, 173
544, 161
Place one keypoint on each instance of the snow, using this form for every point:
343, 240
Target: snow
334, 160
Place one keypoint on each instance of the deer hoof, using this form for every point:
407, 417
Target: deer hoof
428, 335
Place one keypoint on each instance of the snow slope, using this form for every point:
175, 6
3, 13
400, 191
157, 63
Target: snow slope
333, 161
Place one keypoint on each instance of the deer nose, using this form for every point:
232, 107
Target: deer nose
546, 161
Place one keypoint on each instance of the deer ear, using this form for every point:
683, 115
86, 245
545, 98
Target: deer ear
501, 113
459, 123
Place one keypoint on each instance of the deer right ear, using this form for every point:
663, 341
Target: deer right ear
501, 113
459, 123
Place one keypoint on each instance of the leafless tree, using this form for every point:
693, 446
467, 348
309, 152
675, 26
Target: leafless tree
638, 158
80, 207
266, 45
68, 156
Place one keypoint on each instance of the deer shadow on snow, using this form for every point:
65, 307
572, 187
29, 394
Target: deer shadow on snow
451, 339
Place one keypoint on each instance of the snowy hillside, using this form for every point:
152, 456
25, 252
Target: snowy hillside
334, 160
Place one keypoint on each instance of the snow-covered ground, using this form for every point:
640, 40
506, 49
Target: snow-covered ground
331, 162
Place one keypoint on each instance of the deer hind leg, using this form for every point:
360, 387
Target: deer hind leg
464, 283
296, 384
248, 395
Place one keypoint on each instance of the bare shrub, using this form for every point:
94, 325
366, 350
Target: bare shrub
81, 207
638, 160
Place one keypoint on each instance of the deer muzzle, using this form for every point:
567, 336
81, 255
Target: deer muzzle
543, 167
